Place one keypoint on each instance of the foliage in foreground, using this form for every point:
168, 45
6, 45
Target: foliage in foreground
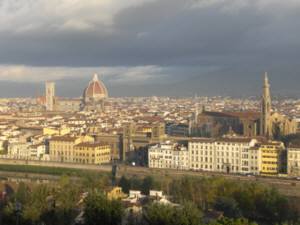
101, 211
241, 203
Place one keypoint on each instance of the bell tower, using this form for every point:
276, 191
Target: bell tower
266, 105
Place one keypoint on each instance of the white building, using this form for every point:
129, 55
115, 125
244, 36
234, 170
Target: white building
226, 155
37, 151
293, 160
27, 151
230, 155
18, 151
168, 155
202, 154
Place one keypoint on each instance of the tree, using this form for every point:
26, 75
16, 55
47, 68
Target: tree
228, 221
158, 214
101, 211
188, 214
124, 183
147, 185
22, 193
229, 206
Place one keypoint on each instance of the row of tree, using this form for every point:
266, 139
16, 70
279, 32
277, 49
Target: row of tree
100, 211
250, 200
64, 203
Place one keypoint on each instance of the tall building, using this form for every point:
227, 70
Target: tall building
273, 124
266, 109
50, 95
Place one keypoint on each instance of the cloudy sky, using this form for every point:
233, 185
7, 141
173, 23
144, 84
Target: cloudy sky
150, 47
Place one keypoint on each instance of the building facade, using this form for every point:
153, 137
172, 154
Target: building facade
168, 155
293, 160
92, 153
136, 137
18, 151
222, 155
61, 148
272, 157
265, 123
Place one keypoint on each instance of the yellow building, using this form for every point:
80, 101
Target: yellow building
115, 193
92, 153
271, 157
56, 131
61, 148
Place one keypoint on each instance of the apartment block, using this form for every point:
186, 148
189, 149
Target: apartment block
230, 155
92, 153
293, 160
61, 148
272, 157
168, 155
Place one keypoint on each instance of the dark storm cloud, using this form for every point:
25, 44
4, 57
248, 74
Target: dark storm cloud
195, 43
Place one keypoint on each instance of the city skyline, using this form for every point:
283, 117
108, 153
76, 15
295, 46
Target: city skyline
73, 88
170, 48
149, 112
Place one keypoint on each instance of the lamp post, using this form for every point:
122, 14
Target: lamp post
18, 209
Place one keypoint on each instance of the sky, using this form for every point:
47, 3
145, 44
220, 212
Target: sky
150, 47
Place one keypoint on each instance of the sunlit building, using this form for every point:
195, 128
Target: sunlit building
293, 160
168, 155
92, 153
272, 157
61, 148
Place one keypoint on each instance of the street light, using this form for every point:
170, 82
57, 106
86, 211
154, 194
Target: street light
18, 209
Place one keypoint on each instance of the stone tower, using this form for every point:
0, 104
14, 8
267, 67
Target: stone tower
50, 95
266, 104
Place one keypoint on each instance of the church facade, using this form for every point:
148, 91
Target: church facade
250, 124
274, 124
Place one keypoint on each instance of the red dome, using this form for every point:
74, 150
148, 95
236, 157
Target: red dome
96, 90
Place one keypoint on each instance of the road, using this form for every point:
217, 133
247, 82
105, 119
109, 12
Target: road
286, 185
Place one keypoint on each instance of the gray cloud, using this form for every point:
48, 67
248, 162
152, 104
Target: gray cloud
184, 42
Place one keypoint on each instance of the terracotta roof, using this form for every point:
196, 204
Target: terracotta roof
241, 140
244, 115
95, 89
63, 138
90, 144
294, 146
271, 143
210, 140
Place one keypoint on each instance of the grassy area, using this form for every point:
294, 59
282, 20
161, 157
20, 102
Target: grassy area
45, 170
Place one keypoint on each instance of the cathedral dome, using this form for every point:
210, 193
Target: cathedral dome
96, 90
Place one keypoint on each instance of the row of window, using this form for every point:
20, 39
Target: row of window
269, 162
295, 156
217, 148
